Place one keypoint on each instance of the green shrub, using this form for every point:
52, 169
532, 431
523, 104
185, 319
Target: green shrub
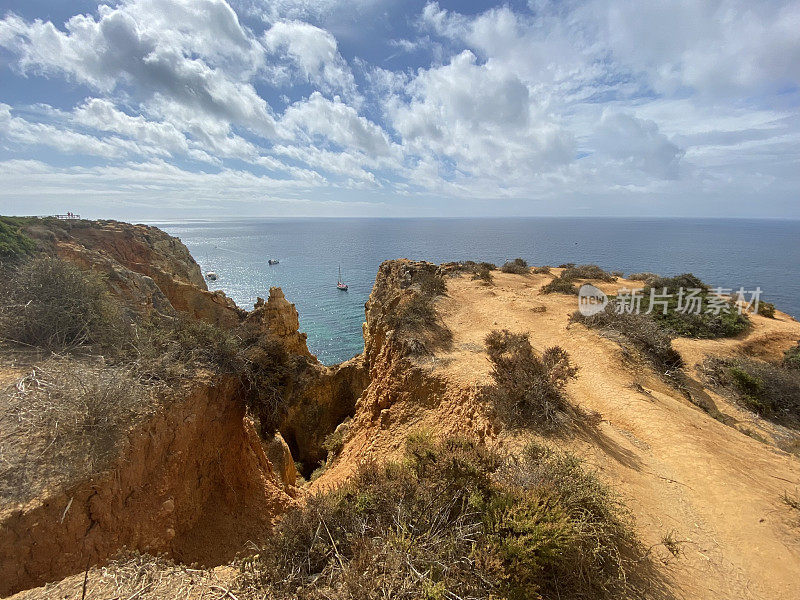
646, 277
587, 272
791, 359
565, 282
770, 390
766, 309
13, 242
560, 285
703, 325
52, 304
334, 441
517, 266
529, 390
541, 270
453, 520
169, 349
483, 272
641, 332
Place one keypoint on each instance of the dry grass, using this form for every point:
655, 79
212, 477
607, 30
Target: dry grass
414, 317
453, 520
51, 304
66, 420
135, 576
639, 332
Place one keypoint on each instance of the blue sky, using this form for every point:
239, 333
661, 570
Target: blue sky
155, 109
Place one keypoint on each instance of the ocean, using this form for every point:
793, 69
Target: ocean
729, 253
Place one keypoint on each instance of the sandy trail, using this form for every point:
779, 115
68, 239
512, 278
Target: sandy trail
680, 471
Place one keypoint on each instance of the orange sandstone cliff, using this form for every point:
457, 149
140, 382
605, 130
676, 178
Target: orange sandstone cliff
196, 482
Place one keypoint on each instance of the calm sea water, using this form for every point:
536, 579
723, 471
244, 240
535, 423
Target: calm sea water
726, 253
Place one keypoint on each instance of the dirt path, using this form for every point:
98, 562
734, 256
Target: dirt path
682, 473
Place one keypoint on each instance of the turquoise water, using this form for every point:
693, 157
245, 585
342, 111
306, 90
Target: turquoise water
727, 253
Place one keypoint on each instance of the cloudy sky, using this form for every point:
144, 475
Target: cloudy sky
200, 108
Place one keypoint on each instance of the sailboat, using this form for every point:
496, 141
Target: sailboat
339, 283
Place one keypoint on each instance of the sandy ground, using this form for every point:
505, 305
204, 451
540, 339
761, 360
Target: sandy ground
682, 473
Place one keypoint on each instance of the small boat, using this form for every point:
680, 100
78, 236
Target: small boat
211, 276
339, 283
273, 261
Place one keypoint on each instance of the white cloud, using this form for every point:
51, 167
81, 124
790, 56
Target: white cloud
637, 143
337, 122
314, 53
591, 98
485, 121
22, 132
715, 46
175, 49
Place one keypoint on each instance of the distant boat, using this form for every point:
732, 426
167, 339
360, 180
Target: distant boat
211, 276
339, 283
273, 261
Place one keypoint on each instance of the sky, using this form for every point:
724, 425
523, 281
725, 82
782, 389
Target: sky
184, 109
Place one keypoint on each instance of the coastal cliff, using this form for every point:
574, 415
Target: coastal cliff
222, 456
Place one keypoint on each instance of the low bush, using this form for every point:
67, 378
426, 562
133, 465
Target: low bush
702, 325
415, 318
334, 441
517, 266
639, 331
565, 282
453, 520
705, 325
14, 244
541, 270
483, 272
528, 389
770, 390
766, 309
52, 304
170, 349
587, 272
646, 277
560, 285
791, 359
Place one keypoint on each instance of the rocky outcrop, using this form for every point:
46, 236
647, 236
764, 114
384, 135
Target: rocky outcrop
394, 285
280, 317
140, 261
141, 248
193, 481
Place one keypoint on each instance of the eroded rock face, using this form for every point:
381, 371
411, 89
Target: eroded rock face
146, 268
193, 481
141, 248
280, 456
328, 398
